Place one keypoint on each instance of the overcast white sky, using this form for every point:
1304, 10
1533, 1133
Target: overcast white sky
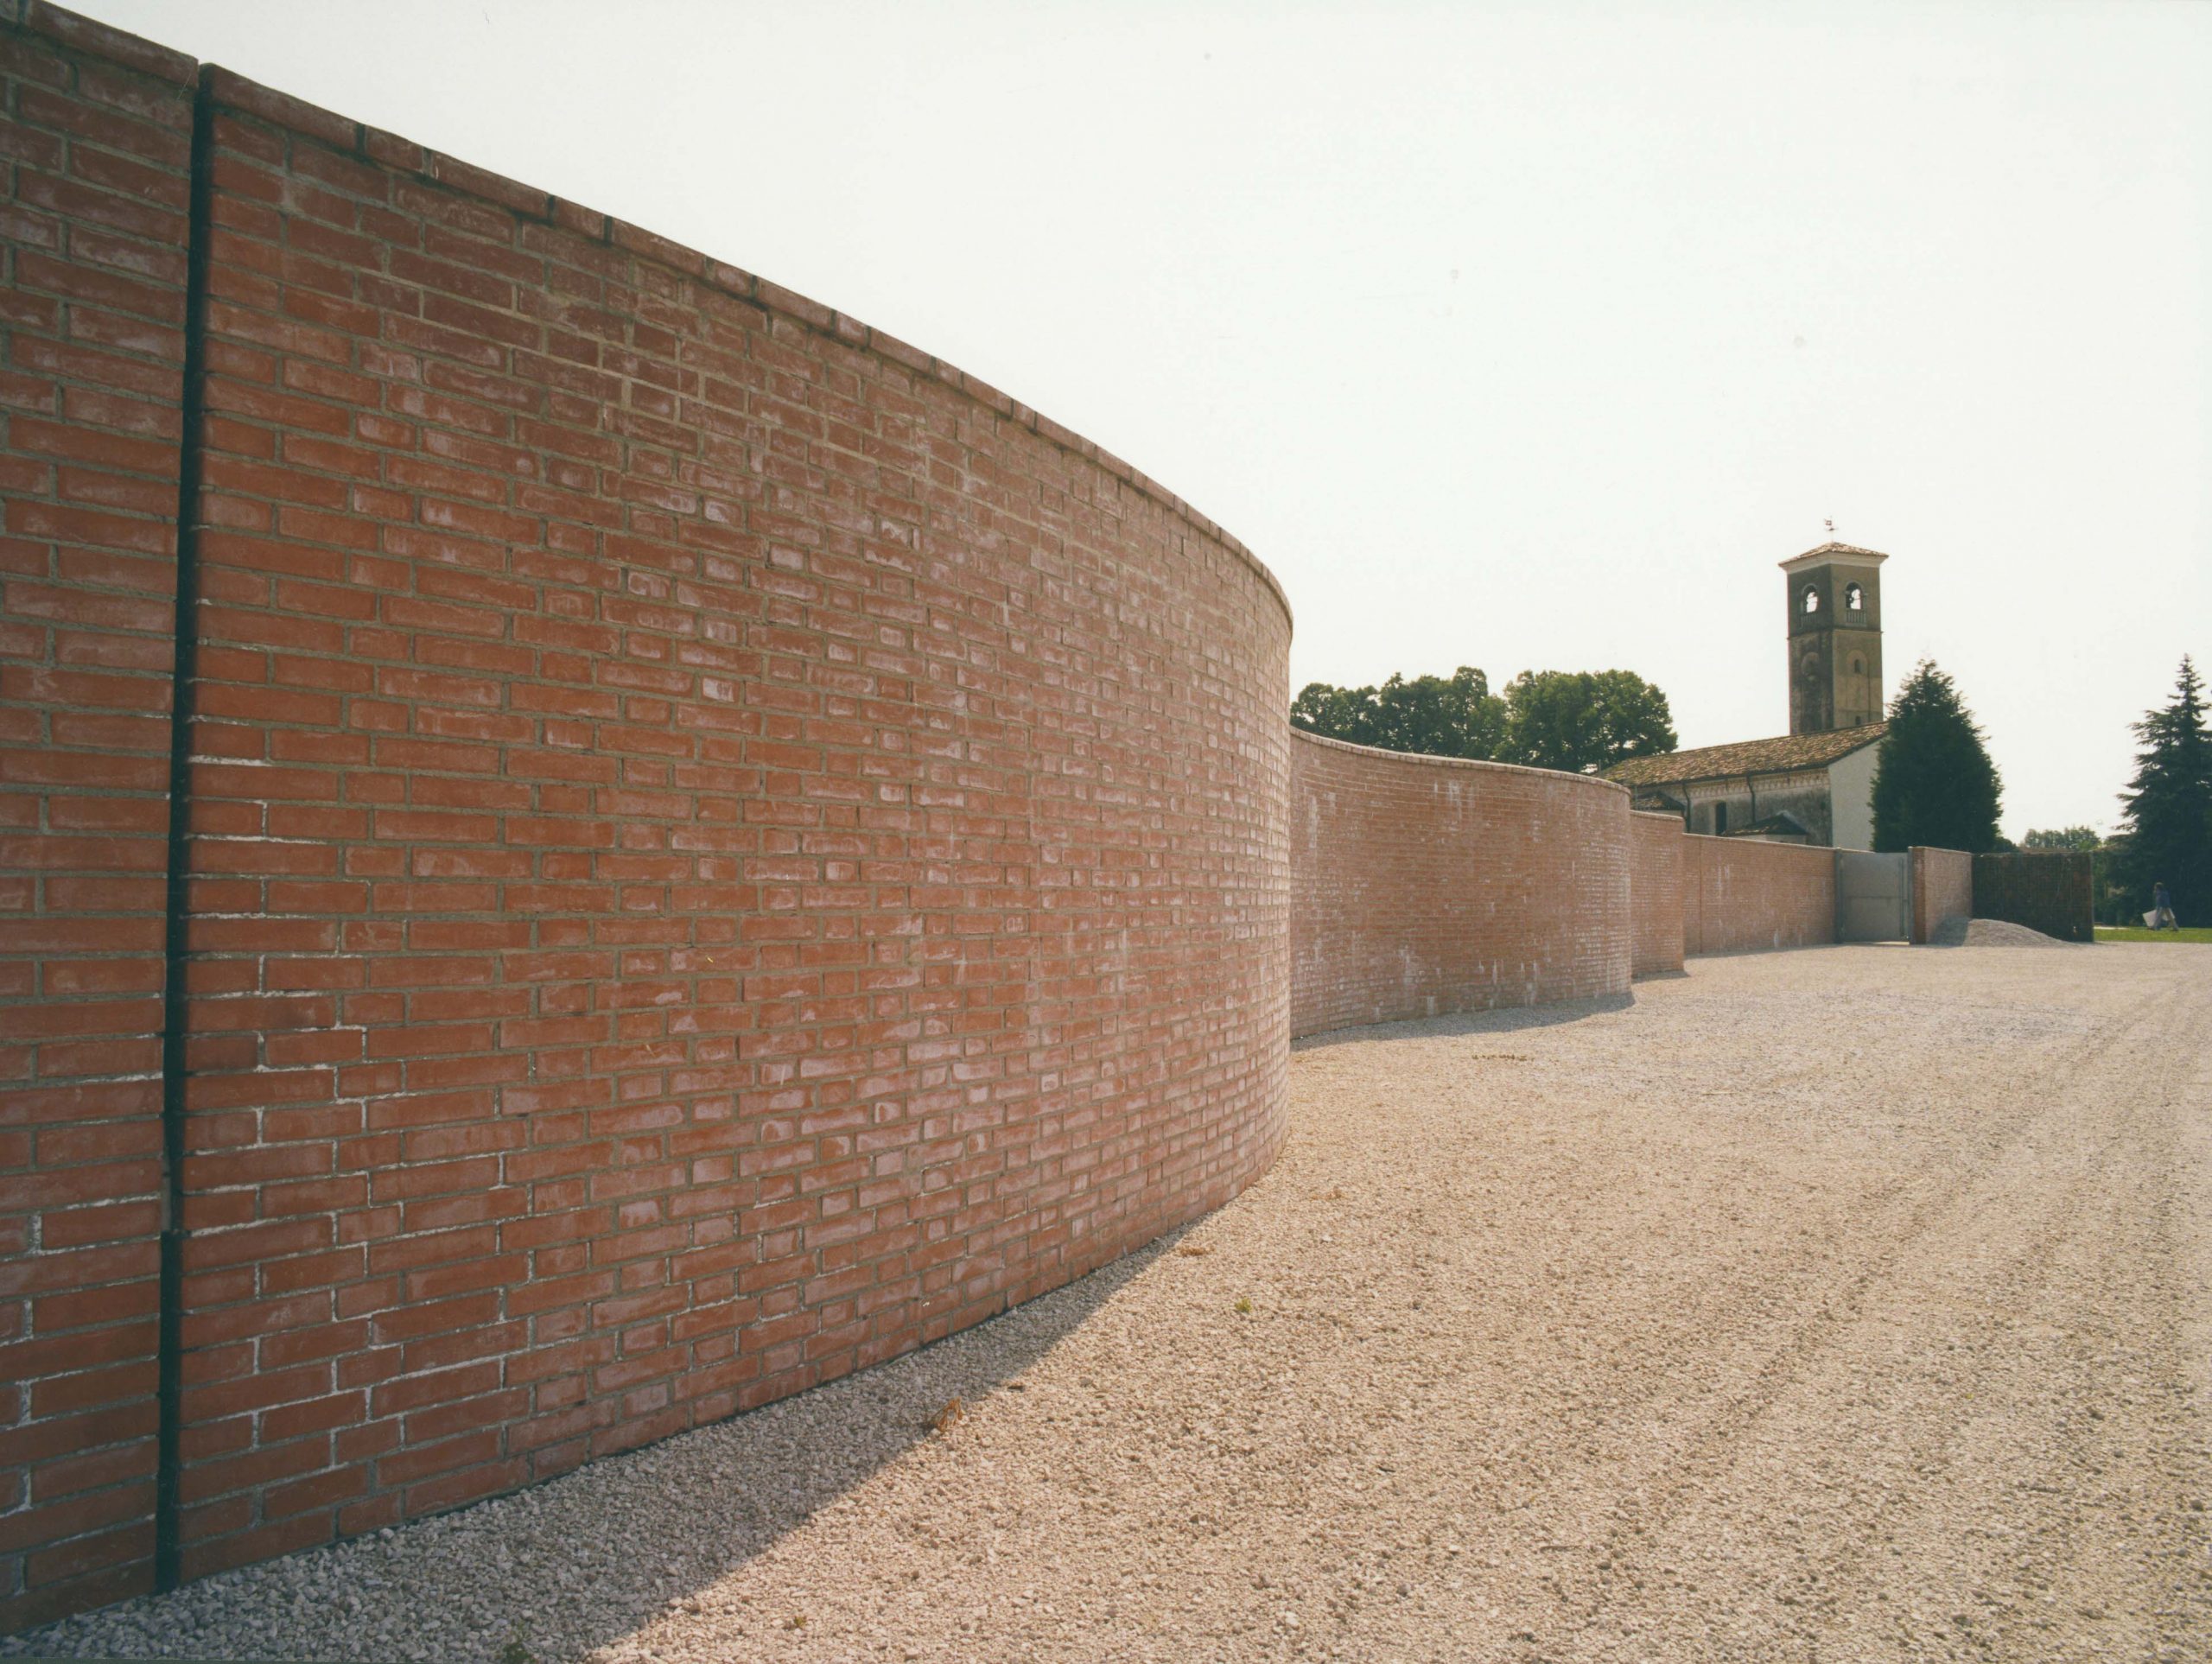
1510, 336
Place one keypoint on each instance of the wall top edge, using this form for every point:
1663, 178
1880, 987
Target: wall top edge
1655, 814
83, 34
1824, 852
1423, 759
244, 96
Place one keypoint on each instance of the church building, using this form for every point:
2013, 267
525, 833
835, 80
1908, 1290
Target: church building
1815, 783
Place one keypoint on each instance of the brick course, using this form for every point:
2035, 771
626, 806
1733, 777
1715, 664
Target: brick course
1423, 885
95, 140
1655, 858
721, 852
1740, 895
722, 848
719, 848
1942, 889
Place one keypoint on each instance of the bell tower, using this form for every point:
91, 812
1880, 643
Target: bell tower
1835, 638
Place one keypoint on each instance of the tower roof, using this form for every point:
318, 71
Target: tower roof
1831, 552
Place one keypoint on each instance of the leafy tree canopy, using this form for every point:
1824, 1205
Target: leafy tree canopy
1549, 719
2166, 811
1934, 782
1584, 720
2079, 840
1455, 715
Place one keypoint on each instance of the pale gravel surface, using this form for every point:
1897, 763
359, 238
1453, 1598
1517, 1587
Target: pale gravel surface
1839, 1304
1992, 933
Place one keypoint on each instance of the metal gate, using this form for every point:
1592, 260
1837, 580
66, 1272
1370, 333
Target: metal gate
1873, 897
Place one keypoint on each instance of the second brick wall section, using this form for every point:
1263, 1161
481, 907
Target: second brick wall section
1942, 889
1656, 891
1424, 886
1740, 895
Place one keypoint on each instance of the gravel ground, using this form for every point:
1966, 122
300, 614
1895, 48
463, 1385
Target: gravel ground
1847, 1304
1991, 933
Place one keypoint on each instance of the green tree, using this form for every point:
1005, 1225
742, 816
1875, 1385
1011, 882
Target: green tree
2110, 896
1339, 713
2166, 811
1443, 716
1934, 782
2077, 840
1548, 719
1439, 716
1584, 720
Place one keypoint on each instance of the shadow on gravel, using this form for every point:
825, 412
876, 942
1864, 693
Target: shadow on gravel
1474, 1022
550, 1573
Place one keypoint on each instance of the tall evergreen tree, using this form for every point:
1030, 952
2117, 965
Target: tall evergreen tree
2166, 811
1934, 782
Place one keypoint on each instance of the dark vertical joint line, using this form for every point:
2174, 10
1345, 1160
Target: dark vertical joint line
170, 1387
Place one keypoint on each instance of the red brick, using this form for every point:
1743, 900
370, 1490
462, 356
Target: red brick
1942, 889
722, 848
1423, 885
1741, 895
86, 613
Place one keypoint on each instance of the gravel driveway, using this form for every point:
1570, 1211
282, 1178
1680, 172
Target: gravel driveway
1849, 1303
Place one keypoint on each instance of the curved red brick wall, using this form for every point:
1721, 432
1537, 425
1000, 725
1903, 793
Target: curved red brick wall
724, 849
720, 848
1656, 891
1423, 885
1742, 895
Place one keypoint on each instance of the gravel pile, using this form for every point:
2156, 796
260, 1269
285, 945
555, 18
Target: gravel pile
1991, 933
1834, 1305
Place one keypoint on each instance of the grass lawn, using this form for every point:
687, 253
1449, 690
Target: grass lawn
2137, 933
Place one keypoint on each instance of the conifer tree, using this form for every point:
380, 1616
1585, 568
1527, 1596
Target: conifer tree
1934, 782
2166, 811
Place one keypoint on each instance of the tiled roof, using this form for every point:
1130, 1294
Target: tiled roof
1774, 826
1777, 756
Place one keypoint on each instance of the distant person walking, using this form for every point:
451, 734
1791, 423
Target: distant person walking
2162, 908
